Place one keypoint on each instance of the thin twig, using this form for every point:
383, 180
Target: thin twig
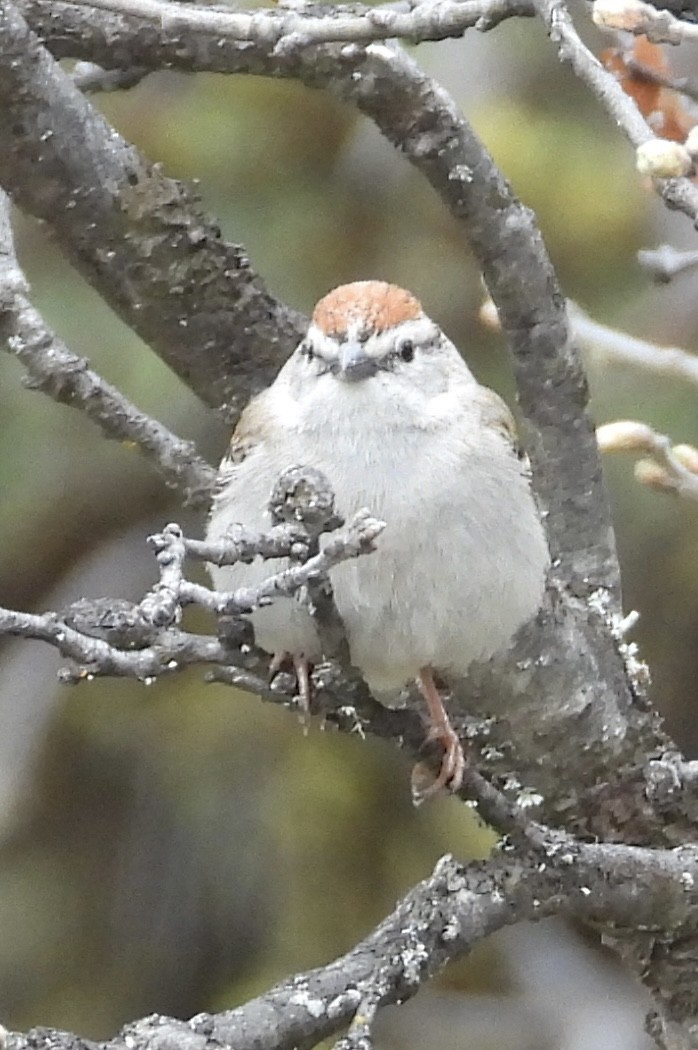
635, 16
601, 342
304, 495
162, 605
168, 649
666, 261
244, 545
358, 538
97, 658
610, 344
672, 468
52, 368
680, 193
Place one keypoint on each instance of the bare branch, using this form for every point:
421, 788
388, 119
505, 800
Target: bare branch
52, 368
440, 920
666, 262
139, 237
243, 544
122, 640
272, 27
172, 650
635, 16
671, 469
603, 343
679, 193
609, 344
89, 77
305, 495
358, 538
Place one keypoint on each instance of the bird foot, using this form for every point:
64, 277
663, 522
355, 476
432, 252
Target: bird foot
301, 666
450, 775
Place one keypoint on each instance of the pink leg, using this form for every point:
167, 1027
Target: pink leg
453, 763
302, 669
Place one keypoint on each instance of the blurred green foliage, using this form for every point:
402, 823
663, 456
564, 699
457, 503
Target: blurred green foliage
180, 847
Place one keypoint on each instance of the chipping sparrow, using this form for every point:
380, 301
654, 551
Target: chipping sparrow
378, 398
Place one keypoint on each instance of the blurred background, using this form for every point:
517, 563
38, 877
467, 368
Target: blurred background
180, 847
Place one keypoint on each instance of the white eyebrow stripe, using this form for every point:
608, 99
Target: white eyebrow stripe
421, 330
323, 345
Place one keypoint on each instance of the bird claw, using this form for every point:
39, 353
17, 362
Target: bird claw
450, 775
303, 684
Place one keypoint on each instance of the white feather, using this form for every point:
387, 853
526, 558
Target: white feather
461, 564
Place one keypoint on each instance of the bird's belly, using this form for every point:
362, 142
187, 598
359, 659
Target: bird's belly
442, 603
452, 578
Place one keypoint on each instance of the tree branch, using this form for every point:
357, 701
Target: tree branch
671, 469
601, 342
67, 378
139, 237
634, 16
618, 347
144, 642
279, 29
439, 921
678, 193
666, 262
572, 675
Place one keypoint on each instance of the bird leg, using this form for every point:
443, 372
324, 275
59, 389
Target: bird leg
453, 762
302, 668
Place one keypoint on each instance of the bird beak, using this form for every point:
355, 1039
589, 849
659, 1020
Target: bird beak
354, 363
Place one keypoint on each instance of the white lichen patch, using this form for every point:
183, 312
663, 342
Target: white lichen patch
451, 930
337, 1006
314, 1006
413, 959
599, 601
637, 669
528, 798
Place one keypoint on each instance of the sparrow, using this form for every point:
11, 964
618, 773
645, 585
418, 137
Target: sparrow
380, 400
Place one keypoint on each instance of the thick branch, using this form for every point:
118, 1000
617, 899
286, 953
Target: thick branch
283, 28
440, 920
571, 676
139, 237
421, 120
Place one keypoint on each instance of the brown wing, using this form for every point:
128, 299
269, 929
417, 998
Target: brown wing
496, 414
246, 436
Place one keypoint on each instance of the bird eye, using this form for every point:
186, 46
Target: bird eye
306, 350
406, 350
